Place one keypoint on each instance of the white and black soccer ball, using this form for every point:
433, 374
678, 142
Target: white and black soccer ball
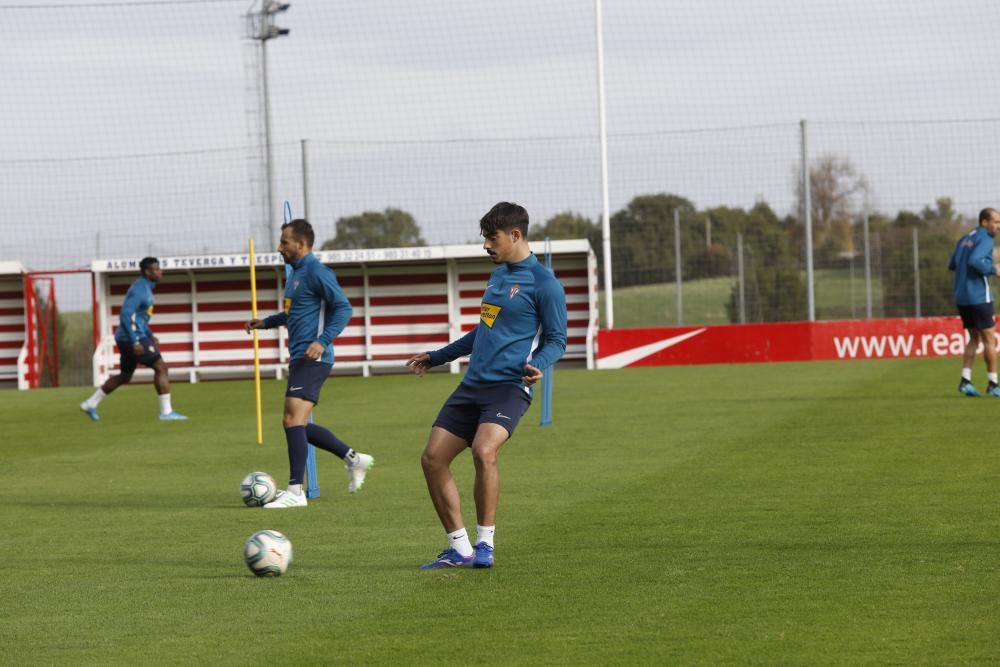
268, 553
257, 489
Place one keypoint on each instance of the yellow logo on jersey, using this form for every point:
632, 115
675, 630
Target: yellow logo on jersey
488, 314
288, 305
149, 311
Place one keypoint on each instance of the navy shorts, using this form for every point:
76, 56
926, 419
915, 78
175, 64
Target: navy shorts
468, 407
977, 316
128, 359
306, 378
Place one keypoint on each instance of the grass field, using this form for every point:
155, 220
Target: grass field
822, 513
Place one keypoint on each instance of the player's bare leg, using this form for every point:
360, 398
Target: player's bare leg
162, 383
988, 339
161, 379
969, 354
442, 448
965, 385
297, 411
115, 381
90, 405
485, 451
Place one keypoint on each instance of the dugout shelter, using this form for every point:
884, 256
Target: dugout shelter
15, 370
406, 300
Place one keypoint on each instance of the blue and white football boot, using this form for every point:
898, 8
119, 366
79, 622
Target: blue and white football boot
967, 388
448, 558
483, 556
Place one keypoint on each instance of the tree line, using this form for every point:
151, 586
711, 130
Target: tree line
643, 247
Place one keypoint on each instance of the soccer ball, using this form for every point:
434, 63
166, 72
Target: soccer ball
258, 489
268, 553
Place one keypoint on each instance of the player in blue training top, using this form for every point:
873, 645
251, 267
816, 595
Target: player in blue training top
973, 265
310, 288
137, 345
522, 300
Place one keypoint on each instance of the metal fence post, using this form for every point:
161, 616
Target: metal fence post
807, 218
916, 270
677, 259
305, 180
868, 271
739, 265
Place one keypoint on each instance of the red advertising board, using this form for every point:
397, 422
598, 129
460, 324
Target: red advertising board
785, 341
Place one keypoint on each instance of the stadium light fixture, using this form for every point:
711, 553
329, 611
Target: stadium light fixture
261, 27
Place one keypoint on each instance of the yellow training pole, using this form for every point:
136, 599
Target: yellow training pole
256, 348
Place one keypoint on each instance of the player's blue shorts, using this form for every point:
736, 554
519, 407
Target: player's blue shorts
129, 360
468, 407
977, 316
306, 378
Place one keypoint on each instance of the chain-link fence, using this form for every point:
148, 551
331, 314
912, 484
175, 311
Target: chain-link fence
735, 277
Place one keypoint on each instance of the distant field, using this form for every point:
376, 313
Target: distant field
839, 295
823, 513
76, 349
656, 305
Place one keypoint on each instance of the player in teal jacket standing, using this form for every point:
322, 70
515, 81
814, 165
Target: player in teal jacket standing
523, 300
310, 289
972, 262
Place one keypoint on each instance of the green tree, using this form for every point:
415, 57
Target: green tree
642, 239
708, 242
774, 287
565, 225
938, 229
392, 228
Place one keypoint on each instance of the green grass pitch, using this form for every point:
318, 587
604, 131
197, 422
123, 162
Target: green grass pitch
822, 513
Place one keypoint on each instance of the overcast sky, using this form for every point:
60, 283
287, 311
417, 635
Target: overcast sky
487, 100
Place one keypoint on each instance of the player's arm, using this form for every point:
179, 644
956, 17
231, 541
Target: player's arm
452, 351
130, 306
551, 303
338, 308
981, 257
269, 322
420, 363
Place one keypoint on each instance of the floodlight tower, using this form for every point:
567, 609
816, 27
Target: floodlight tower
261, 27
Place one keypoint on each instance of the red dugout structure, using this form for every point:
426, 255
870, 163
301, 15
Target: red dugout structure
29, 329
405, 300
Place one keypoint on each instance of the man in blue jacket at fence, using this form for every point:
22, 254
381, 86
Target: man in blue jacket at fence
972, 262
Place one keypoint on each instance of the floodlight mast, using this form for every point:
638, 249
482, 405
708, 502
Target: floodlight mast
261, 27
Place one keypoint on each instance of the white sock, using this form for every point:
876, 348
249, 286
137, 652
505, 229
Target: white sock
351, 457
459, 541
485, 534
165, 408
295, 488
967, 374
96, 398
992, 377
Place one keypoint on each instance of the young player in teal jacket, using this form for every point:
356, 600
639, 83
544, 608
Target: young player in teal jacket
523, 302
